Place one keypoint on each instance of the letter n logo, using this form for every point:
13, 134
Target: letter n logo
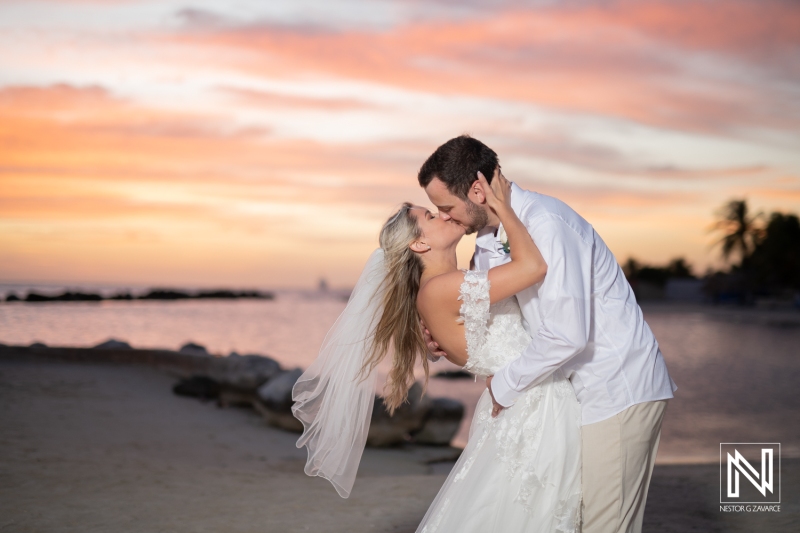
742, 479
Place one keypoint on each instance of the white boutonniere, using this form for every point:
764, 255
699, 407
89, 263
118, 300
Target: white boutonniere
503, 238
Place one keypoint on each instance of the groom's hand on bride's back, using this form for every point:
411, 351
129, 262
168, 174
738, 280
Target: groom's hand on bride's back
496, 407
434, 352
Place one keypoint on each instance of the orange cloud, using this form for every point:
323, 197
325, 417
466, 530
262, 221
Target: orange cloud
70, 153
71, 131
94, 164
778, 194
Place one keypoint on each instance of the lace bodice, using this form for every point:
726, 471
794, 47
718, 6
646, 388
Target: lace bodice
494, 333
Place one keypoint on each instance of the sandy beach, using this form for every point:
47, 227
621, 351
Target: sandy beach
96, 447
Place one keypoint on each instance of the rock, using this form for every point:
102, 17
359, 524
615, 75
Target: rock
276, 394
278, 419
12, 297
193, 349
454, 374
38, 345
235, 398
441, 425
388, 430
197, 387
113, 344
244, 372
274, 400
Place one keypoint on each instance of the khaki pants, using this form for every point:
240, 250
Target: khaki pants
618, 458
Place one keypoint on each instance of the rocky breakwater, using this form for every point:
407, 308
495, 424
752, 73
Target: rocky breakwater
261, 383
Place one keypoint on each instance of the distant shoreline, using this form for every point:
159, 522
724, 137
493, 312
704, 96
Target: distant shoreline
154, 294
763, 314
734, 313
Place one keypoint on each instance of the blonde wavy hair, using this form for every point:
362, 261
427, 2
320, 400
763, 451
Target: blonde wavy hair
398, 328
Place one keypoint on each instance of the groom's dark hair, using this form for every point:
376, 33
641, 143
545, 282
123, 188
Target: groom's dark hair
457, 162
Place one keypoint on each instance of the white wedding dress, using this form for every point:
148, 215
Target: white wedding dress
520, 471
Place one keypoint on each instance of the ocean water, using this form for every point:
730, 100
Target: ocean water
737, 377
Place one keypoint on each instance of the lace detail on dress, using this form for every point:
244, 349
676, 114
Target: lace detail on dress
494, 333
474, 293
518, 446
519, 441
518, 438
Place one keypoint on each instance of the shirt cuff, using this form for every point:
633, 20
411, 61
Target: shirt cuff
502, 391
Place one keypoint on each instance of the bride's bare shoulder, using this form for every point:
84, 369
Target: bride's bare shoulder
441, 290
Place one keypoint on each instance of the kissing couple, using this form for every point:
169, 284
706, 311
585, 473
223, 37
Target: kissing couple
564, 438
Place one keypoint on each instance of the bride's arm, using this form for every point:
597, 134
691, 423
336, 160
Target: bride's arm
527, 266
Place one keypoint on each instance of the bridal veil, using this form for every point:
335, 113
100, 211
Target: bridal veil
332, 401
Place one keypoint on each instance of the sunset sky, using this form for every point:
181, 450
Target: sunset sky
263, 143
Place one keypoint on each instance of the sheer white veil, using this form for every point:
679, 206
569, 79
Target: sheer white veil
330, 399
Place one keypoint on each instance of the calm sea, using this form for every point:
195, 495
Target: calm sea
737, 374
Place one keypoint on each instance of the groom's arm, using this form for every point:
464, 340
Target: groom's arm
565, 298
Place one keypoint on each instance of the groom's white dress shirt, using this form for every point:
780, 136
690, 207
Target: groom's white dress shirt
583, 316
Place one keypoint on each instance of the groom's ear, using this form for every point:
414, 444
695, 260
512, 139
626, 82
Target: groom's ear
476, 193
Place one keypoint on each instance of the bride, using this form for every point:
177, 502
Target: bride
520, 470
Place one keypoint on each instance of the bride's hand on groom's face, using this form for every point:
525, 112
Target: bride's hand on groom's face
498, 194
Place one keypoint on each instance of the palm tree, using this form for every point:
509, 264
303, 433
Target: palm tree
742, 232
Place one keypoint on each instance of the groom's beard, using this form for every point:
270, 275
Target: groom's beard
477, 218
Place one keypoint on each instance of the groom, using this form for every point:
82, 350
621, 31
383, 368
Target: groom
582, 318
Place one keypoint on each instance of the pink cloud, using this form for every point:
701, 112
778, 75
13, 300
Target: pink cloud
626, 59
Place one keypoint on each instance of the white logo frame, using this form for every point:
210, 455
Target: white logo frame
726, 463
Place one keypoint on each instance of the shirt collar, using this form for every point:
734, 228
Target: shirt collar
517, 198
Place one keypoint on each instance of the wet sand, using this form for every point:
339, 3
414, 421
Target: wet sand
103, 447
